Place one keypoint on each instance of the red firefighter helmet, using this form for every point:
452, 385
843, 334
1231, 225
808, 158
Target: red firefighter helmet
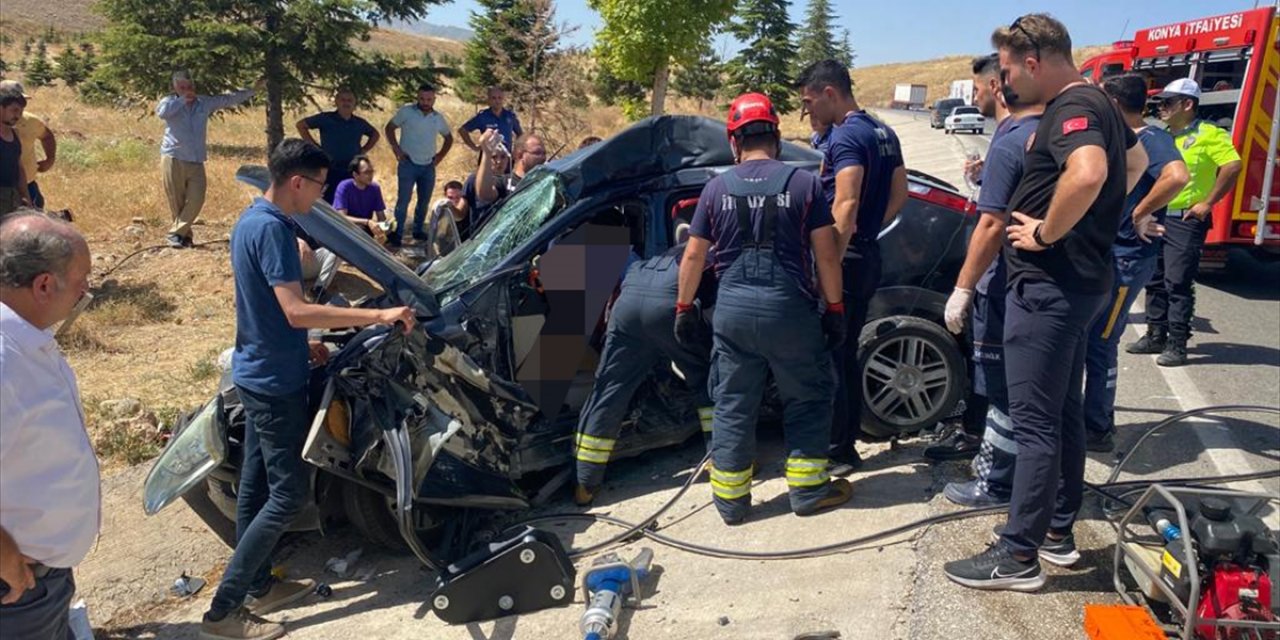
752, 109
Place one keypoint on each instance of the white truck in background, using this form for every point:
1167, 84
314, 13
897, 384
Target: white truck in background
909, 96
962, 89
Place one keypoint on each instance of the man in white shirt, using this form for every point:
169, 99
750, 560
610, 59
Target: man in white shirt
417, 159
50, 500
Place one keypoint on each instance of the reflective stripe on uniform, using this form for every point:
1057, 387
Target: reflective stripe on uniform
593, 449
731, 485
806, 472
704, 416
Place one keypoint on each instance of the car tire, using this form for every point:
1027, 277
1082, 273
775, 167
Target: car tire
213, 517
371, 513
913, 374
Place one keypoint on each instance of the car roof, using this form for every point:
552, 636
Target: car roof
654, 147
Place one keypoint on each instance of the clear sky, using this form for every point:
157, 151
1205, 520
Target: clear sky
924, 29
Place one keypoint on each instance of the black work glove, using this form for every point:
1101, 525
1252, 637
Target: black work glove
834, 326
689, 327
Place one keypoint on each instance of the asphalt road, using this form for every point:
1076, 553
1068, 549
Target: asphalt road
893, 588
1234, 360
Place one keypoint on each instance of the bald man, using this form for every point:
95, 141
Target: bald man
46, 528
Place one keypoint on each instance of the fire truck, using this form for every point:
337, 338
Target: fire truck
1236, 59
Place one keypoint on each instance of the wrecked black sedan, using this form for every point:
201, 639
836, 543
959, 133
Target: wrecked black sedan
477, 406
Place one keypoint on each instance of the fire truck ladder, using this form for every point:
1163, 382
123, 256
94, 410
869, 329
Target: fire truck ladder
1269, 173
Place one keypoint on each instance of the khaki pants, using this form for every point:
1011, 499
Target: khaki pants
184, 184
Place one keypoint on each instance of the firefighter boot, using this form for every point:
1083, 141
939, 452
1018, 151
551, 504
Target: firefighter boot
1174, 354
1152, 343
838, 492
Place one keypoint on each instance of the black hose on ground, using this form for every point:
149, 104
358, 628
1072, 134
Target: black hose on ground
1103, 490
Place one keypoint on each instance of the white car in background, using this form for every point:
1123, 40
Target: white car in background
966, 118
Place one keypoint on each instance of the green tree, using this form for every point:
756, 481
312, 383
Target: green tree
815, 41
500, 48
71, 67
702, 79
846, 54
764, 63
295, 46
39, 71
642, 39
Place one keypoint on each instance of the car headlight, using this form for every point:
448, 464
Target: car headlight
190, 456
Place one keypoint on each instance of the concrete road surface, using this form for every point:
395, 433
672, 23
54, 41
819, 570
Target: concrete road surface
892, 588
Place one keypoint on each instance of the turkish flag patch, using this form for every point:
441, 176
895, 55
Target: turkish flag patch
1075, 124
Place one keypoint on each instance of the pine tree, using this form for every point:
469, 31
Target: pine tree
88, 57
815, 41
294, 46
764, 63
39, 71
703, 79
71, 69
846, 54
496, 50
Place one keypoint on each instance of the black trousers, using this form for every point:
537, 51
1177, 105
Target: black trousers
1045, 335
861, 276
1171, 295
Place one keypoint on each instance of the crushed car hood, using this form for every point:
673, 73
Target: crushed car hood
335, 233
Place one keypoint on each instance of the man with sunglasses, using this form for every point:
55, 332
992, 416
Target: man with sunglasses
1079, 164
1214, 165
270, 368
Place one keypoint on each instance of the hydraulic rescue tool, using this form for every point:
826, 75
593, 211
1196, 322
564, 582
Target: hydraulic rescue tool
608, 584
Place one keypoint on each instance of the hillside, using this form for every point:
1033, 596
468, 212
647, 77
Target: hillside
874, 85
20, 19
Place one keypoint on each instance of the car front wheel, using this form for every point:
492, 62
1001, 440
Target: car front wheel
913, 374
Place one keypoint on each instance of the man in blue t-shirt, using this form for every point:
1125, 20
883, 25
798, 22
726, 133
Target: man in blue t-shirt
765, 219
271, 368
981, 285
343, 135
1134, 252
497, 116
865, 185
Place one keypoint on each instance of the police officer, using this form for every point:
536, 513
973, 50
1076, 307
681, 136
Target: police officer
764, 218
1135, 252
639, 338
1214, 165
865, 185
1064, 214
981, 285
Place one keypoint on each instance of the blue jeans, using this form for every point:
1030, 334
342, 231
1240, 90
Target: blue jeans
274, 487
1132, 274
37, 198
409, 175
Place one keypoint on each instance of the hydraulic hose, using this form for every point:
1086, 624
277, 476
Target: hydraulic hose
1111, 491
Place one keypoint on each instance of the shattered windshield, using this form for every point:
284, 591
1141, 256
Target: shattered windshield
519, 217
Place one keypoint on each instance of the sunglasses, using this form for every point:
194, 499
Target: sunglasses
1017, 26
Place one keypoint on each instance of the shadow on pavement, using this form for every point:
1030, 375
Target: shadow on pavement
1233, 354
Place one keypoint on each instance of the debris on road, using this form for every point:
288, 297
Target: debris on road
186, 586
345, 566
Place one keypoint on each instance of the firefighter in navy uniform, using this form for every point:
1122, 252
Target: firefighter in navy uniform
638, 339
770, 225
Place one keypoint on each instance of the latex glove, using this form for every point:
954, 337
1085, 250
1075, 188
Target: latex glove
689, 327
957, 308
834, 326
